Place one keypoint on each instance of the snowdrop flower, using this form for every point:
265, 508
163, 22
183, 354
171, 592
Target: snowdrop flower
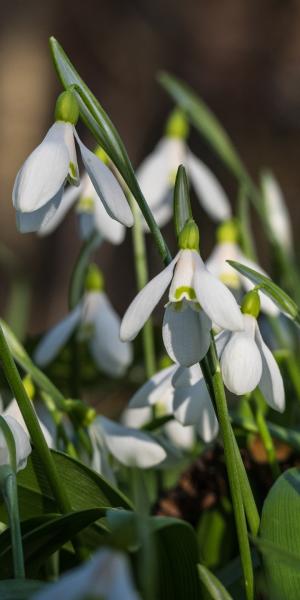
23, 448
183, 393
156, 175
131, 447
39, 184
106, 575
196, 298
227, 248
92, 215
46, 423
246, 361
97, 323
276, 212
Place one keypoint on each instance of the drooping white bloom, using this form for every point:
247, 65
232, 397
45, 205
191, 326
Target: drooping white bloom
196, 298
99, 324
47, 424
246, 362
23, 448
106, 575
183, 393
156, 175
276, 211
130, 446
39, 184
217, 265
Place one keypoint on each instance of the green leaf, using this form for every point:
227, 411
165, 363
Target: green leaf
205, 121
216, 535
23, 360
42, 541
86, 489
212, 584
19, 589
284, 434
266, 285
103, 130
280, 536
182, 205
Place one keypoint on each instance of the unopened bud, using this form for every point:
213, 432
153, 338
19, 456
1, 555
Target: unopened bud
94, 280
67, 108
251, 304
189, 236
227, 232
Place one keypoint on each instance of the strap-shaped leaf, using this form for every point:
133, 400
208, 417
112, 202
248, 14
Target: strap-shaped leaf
212, 584
106, 135
182, 204
268, 287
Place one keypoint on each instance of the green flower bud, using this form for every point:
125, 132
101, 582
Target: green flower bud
227, 232
251, 304
102, 155
94, 280
67, 108
177, 125
189, 236
83, 414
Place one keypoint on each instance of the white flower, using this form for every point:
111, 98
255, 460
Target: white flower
46, 422
156, 177
23, 448
246, 362
130, 446
100, 324
39, 184
106, 575
195, 299
276, 212
218, 266
183, 393
92, 215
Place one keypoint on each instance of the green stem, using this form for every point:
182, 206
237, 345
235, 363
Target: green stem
15, 383
76, 287
141, 270
230, 453
10, 495
246, 239
265, 435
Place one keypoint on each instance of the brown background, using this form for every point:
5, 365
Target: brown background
242, 57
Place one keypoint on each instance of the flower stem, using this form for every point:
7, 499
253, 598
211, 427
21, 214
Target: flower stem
141, 270
265, 435
10, 495
232, 465
15, 383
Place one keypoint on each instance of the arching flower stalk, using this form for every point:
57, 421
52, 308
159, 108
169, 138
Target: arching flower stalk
196, 298
40, 183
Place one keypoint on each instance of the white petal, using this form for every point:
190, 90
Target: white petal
186, 334
110, 354
68, 199
44, 172
276, 212
39, 219
101, 459
216, 299
182, 437
106, 575
154, 173
73, 164
218, 266
208, 425
51, 344
271, 383
241, 364
23, 448
267, 305
162, 211
144, 303
210, 192
182, 282
106, 186
154, 389
131, 447
112, 230
12, 410
136, 417
221, 340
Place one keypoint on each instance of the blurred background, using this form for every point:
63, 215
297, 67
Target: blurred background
242, 58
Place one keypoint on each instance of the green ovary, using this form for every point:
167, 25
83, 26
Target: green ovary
185, 292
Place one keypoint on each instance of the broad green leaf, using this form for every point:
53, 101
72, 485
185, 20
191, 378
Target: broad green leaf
280, 536
213, 586
103, 130
205, 121
182, 205
86, 489
23, 360
78, 275
19, 589
267, 286
42, 541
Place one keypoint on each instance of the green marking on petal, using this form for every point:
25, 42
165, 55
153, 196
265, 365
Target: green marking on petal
85, 204
73, 170
185, 292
